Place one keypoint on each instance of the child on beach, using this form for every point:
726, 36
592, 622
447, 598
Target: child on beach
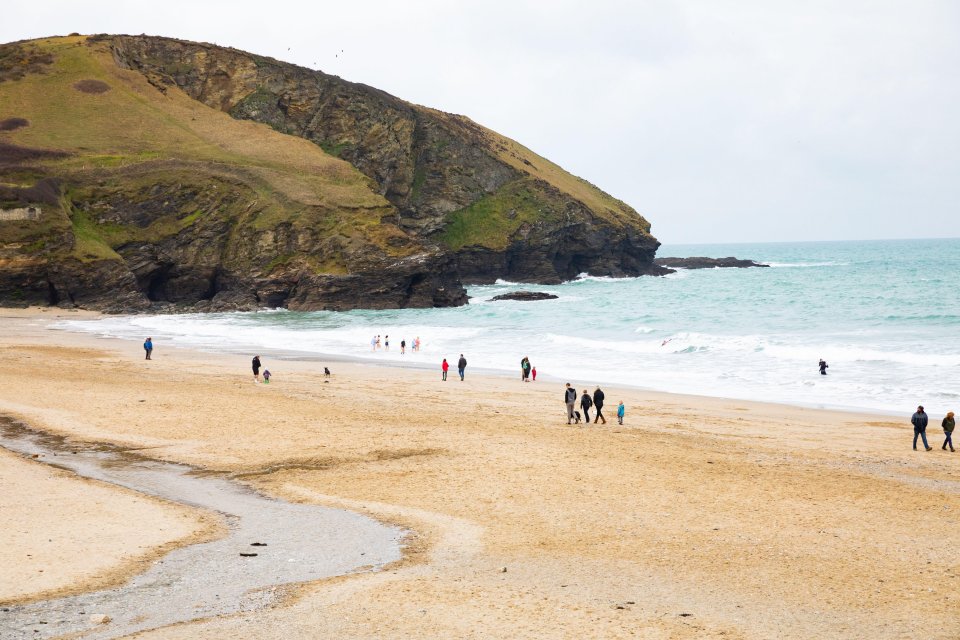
533, 372
620, 411
445, 367
266, 376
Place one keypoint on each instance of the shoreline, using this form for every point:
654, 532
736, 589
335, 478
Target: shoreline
523, 526
294, 355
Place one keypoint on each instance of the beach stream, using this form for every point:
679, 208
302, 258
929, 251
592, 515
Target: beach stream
269, 543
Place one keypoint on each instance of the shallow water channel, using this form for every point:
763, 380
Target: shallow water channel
295, 543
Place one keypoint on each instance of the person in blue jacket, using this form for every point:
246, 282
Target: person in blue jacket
148, 347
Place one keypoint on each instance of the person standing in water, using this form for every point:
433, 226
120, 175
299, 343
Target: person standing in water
598, 403
461, 365
444, 367
256, 369
148, 347
386, 343
948, 424
585, 403
403, 345
823, 367
919, 420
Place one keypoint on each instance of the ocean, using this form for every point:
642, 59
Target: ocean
883, 314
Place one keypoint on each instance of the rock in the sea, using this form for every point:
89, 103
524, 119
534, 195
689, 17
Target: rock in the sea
525, 296
706, 263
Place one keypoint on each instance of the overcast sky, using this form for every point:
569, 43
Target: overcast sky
718, 121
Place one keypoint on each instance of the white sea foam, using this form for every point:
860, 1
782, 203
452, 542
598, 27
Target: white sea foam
756, 333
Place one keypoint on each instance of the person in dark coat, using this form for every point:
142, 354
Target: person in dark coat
823, 367
585, 403
948, 425
598, 403
461, 365
919, 421
256, 368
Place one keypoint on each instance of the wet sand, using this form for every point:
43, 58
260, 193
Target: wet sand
698, 518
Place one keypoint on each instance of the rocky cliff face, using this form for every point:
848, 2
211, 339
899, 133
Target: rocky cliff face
146, 186
437, 169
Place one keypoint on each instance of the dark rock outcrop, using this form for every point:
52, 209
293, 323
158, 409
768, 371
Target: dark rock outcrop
706, 263
525, 296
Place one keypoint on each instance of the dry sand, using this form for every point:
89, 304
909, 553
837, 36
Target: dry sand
698, 518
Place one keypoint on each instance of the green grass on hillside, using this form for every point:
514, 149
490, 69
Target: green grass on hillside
492, 221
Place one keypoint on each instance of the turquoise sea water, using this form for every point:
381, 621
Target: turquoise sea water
884, 314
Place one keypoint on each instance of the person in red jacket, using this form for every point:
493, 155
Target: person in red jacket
445, 367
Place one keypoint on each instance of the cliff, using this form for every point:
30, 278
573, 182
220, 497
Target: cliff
169, 172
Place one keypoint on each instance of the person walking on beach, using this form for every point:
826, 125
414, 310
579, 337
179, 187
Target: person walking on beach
403, 346
621, 410
598, 403
461, 365
148, 347
569, 399
444, 367
533, 373
823, 367
919, 421
948, 424
256, 369
585, 403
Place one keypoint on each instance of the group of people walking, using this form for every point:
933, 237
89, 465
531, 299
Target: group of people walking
588, 402
920, 420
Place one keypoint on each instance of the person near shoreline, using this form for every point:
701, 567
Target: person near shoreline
403, 346
948, 425
416, 343
373, 343
148, 347
919, 421
598, 403
569, 399
621, 410
823, 367
256, 368
585, 403
525, 369
461, 365
445, 367
386, 343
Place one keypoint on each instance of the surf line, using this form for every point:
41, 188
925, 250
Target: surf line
269, 543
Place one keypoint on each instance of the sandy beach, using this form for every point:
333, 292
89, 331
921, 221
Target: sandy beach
698, 518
